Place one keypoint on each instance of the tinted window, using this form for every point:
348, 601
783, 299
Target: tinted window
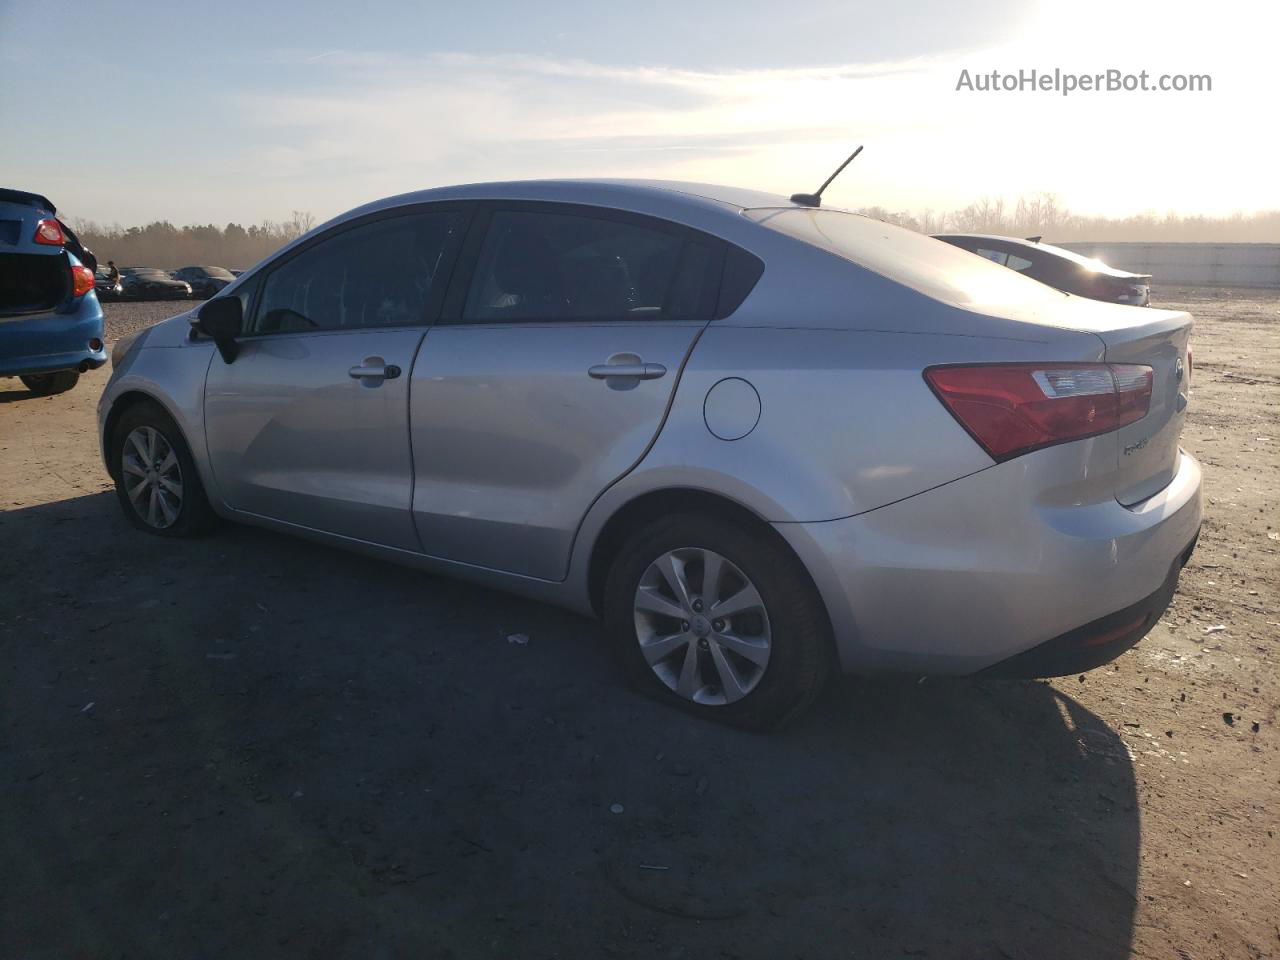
1017, 263
561, 266
995, 256
376, 275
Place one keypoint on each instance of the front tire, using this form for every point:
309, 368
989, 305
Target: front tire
47, 384
719, 619
156, 479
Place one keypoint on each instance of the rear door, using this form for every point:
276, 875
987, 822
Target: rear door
309, 425
549, 375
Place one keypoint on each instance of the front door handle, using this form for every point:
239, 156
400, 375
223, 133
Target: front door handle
373, 370
637, 371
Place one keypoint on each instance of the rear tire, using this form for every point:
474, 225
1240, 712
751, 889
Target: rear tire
47, 384
755, 668
156, 479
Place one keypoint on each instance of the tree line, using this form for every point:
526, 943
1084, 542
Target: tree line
1044, 216
161, 244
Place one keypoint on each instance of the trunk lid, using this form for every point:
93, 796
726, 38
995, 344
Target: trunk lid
1147, 450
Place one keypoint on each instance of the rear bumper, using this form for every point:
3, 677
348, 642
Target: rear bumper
977, 571
48, 342
1098, 642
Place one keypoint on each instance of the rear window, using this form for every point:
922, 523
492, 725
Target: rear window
554, 266
935, 268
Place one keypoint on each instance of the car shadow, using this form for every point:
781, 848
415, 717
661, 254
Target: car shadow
9, 395
250, 745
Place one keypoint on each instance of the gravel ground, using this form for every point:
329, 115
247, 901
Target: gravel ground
126, 318
248, 745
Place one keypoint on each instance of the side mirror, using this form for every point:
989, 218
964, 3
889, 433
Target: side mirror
221, 320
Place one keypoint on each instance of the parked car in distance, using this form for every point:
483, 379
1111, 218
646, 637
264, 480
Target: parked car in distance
50, 320
151, 283
105, 287
205, 281
1058, 267
763, 441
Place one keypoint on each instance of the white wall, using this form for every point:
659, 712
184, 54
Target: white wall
1192, 264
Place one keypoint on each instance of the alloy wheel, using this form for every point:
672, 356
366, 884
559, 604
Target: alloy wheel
702, 626
152, 477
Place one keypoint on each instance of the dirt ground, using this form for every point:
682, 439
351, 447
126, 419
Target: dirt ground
252, 746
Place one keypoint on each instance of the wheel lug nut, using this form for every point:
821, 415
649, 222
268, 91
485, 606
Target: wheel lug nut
684, 625
717, 625
697, 606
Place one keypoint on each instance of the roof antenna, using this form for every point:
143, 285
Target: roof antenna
815, 199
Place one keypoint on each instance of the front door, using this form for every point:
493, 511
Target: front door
549, 376
310, 423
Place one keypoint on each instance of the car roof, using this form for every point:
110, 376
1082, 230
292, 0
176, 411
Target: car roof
568, 190
1079, 258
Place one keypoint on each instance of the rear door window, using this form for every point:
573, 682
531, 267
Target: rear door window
557, 265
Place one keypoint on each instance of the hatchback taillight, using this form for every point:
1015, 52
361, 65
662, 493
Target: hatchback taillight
1014, 408
49, 233
81, 281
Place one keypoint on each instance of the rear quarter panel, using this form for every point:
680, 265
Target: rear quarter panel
846, 424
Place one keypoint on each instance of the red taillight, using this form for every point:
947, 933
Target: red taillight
1014, 408
81, 281
49, 233
1190, 366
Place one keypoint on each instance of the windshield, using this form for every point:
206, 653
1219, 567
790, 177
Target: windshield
934, 268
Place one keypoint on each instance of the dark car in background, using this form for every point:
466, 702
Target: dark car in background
205, 281
50, 319
1064, 269
152, 283
105, 287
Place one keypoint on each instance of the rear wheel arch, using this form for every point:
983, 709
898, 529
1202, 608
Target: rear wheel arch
647, 508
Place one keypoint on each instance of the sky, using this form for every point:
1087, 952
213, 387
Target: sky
242, 111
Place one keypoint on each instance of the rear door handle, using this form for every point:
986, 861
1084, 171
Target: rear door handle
638, 371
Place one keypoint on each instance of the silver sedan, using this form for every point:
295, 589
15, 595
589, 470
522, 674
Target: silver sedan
763, 440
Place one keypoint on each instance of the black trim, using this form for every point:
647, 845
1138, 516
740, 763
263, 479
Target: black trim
742, 271
1087, 647
465, 267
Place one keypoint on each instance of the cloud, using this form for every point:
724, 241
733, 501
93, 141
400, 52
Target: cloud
345, 126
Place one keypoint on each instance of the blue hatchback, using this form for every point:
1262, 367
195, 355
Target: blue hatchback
50, 319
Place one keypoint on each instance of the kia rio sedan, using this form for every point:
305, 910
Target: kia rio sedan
763, 441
